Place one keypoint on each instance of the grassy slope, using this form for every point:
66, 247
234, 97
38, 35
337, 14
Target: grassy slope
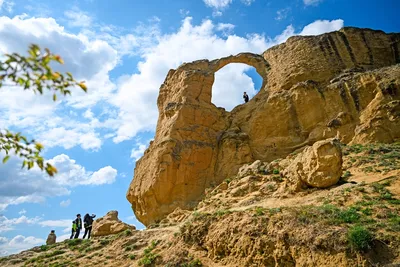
251, 224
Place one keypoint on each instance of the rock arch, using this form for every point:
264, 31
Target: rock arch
257, 61
191, 133
198, 145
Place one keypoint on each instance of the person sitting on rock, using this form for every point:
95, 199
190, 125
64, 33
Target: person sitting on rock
245, 97
87, 222
51, 239
78, 222
73, 229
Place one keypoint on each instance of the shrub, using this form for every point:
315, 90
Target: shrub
149, 257
132, 256
104, 242
260, 211
275, 171
44, 247
193, 263
74, 242
359, 238
349, 216
220, 213
128, 232
346, 174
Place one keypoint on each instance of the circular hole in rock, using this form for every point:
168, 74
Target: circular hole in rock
230, 83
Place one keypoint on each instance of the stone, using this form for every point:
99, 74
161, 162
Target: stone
319, 165
109, 225
251, 169
343, 84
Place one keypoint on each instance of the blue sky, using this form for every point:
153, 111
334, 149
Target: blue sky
123, 51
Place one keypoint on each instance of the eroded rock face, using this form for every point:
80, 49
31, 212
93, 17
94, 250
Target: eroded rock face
314, 88
109, 225
319, 165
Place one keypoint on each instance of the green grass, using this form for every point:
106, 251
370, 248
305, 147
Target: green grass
74, 242
104, 242
329, 213
192, 263
220, 213
260, 211
149, 257
346, 174
359, 238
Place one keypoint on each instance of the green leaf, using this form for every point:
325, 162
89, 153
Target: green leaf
54, 97
5, 159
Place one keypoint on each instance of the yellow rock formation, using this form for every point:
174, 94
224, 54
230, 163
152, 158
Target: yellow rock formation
342, 84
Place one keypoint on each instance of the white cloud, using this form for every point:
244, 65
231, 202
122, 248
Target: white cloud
312, 2
138, 150
72, 174
23, 211
282, 13
190, 42
65, 203
9, 224
232, 81
225, 28
106, 175
87, 58
322, 26
217, 3
184, 12
34, 186
6, 5
56, 223
78, 18
248, 2
18, 243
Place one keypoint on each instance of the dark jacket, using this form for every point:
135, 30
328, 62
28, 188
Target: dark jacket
88, 220
78, 222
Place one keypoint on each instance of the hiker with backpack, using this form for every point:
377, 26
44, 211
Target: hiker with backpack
78, 226
88, 221
73, 229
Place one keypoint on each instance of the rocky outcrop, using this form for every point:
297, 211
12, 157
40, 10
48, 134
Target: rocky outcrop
314, 88
319, 165
109, 225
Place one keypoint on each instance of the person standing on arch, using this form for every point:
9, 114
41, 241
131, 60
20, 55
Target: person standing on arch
245, 97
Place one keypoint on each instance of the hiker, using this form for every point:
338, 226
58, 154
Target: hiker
73, 229
78, 222
245, 97
51, 239
87, 222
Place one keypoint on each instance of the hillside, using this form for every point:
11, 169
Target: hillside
248, 221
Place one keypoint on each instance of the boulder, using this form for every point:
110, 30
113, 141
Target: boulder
254, 168
109, 225
319, 165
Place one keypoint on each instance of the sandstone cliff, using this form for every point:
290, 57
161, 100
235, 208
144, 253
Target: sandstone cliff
344, 84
